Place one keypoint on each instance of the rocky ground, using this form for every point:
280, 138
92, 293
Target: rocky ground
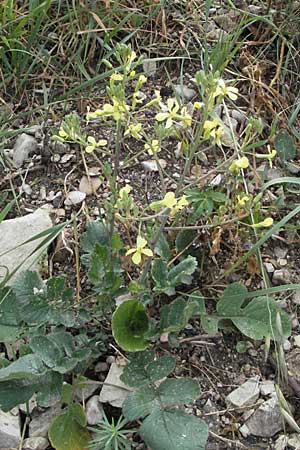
238, 400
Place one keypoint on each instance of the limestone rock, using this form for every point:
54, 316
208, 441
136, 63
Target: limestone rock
24, 146
10, 433
266, 420
245, 395
86, 390
41, 421
74, 198
35, 443
16, 231
115, 391
184, 91
94, 410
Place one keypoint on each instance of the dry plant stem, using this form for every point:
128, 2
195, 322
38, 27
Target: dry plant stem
229, 441
77, 261
212, 225
164, 220
115, 175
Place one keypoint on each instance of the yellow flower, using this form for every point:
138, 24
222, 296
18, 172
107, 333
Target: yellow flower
222, 90
132, 74
198, 105
172, 114
154, 147
93, 144
62, 133
116, 110
139, 250
213, 129
242, 200
141, 80
133, 130
269, 156
116, 77
238, 164
170, 201
124, 191
268, 222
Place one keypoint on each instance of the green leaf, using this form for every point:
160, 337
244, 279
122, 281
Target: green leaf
162, 248
258, 319
159, 272
27, 366
16, 391
144, 369
174, 430
181, 273
67, 431
175, 316
129, 325
184, 238
140, 404
284, 145
210, 324
96, 233
178, 391
9, 317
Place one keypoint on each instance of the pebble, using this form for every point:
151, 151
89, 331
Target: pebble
94, 410
280, 252
269, 267
151, 165
184, 91
297, 340
286, 345
35, 443
149, 67
66, 158
24, 146
296, 297
282, 262
89, 186
281, 276
246, 394
74, 198
55, 158
267, 387
101, 367
26, 189
110, 359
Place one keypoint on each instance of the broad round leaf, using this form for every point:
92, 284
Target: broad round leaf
129, 325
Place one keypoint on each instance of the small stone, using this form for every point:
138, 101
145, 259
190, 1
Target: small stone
267, 387
35, 443
41, 421
293, 168
55, 158
60, 147
149, 67
281, 276
282, 262
89, 186
152, 166
280, 252
101, 367
297, 340
94, 410
252, 352
244, 430
17, 231
26, 189
266, 420
296, 297
164, 338
269, 267
115, 391
24, 146
86, 390
286, 345
66, 158
94, 171
10, 434
245, 395
74, 198
184, 91
110, 359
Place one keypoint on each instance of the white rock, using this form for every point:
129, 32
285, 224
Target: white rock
280, 252
149, 67
296, 297
152, 166
286, 345
24, 146
10, 433
269, 267
281, 276
41, 421
245, 395
115, 391
14, 232
297, 340
74, 197
266, 420
184, 91
94, 410
86, 390
35, 443
244, 431
66, 158
267, 387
